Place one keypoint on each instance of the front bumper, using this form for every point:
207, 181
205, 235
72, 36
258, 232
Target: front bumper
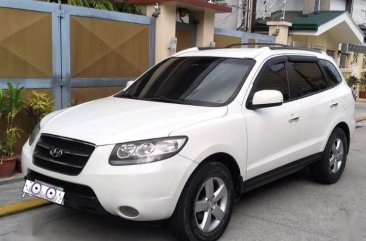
152, 189
77, 196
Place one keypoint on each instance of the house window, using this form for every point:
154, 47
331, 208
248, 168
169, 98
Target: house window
343, 61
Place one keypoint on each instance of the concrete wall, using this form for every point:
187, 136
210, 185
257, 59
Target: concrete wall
357, 13
325, 39
230, 20
279, 29
205, 27
338, 5
276, 5
297, 5
165, 29
233, 20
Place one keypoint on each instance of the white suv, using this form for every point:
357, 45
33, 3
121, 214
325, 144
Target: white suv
194, 133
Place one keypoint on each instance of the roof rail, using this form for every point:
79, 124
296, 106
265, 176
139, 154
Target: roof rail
274, 46
186, 51
295, 48
263, 44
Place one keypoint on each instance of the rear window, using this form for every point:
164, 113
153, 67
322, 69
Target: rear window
330, 72
307, 78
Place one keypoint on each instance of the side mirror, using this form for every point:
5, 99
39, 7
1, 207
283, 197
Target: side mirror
128, 84
266, 98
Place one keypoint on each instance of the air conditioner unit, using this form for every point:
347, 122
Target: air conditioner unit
345, 48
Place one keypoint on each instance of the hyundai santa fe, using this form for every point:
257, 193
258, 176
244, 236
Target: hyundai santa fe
194, 133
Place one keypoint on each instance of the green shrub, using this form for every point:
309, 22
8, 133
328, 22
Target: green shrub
38, 106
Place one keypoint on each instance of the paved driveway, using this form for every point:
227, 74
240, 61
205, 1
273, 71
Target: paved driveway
360, 109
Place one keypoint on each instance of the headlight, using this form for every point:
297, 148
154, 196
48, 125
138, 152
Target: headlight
140, 152
34, 134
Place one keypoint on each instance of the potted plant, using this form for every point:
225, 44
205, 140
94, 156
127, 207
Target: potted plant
10, 103
352, 82
362, 90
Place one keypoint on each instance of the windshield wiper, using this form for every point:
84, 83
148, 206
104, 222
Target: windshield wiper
169, 100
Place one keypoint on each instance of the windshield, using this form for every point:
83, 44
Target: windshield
206, 81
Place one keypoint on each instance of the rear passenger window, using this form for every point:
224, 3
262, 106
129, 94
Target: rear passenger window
274, 78
307, 78
330, 72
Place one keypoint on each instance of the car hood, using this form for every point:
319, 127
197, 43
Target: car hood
114, 120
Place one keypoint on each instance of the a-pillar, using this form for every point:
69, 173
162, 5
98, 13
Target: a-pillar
204, 21
165, 27
279, 29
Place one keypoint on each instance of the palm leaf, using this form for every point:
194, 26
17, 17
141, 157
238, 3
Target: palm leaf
80, 3
3, 103
102, 4
15, 99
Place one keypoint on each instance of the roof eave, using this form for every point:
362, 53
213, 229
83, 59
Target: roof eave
354, 34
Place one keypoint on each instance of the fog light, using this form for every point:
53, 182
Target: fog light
129, 211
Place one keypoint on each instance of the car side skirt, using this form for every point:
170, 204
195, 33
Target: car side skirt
279, 172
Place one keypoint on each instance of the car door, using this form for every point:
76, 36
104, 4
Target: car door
340, 101
318, 105
273, 133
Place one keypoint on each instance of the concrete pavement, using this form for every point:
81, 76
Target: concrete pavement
360, 110
292, 208
12, 191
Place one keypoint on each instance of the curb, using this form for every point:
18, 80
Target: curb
23, 205
12, 180
361, 118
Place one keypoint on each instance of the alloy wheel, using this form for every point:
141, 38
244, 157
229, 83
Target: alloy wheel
211, 204
336, 156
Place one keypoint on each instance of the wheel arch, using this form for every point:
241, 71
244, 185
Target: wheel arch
343, 126
233, 167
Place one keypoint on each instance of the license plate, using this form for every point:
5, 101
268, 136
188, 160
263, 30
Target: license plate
44, 190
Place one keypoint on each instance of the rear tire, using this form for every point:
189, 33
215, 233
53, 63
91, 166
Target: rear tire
205, 206
330, 167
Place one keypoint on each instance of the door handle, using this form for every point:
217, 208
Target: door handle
333, 105
293, 118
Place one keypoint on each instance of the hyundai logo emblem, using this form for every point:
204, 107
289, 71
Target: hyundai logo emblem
56, 152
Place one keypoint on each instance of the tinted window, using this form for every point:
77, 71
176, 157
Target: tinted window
331, 73
210, 81
307, 78
273, 78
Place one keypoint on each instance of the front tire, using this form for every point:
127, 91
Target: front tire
205, 206
330, 167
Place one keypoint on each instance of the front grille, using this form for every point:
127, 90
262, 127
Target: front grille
75, 154
77, 196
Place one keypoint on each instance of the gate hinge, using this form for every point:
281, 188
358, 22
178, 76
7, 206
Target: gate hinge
61, 13
62, 82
